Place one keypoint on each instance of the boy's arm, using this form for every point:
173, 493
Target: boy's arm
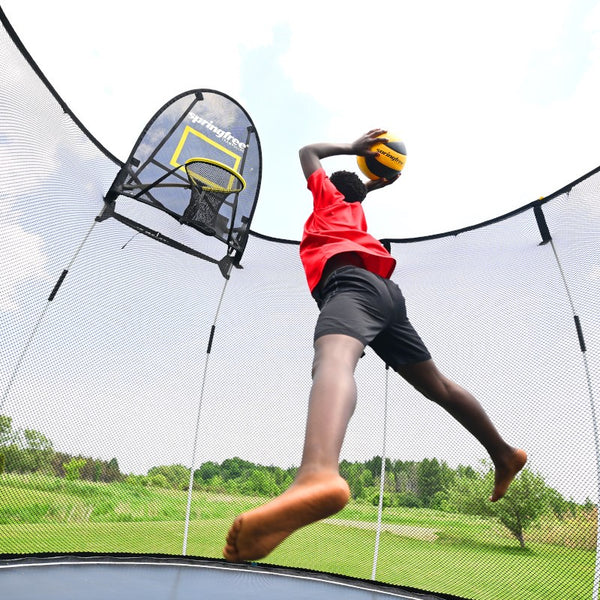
311, 155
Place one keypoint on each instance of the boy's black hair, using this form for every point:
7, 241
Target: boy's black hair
350, 185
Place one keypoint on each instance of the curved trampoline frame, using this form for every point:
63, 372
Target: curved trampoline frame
43, 576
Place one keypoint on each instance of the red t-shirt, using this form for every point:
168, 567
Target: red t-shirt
337, 226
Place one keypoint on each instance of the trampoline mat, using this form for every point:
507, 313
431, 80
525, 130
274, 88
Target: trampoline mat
99, 579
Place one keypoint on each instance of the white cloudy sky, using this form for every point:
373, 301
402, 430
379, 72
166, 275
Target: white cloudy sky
496, 102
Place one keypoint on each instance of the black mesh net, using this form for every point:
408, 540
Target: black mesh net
213, 187
111, 404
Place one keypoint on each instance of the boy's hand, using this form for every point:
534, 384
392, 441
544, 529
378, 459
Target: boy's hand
376, 184
364, 144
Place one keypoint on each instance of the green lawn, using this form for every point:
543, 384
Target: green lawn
469, 556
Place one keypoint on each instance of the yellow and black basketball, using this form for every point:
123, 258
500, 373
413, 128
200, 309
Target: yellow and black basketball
389, 162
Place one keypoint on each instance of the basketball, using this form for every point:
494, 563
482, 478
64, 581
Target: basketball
389, 162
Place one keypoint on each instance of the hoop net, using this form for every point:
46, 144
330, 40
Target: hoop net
211, 184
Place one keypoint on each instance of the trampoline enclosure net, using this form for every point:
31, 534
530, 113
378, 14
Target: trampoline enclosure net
110, 400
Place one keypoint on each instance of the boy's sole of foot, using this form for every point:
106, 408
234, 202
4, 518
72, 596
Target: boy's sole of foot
255, 533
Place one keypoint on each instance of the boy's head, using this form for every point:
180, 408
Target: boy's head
350, 185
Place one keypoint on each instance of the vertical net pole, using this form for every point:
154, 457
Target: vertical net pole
197, 431
592, 407
382, 476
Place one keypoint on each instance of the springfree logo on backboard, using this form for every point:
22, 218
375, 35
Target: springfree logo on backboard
197, 144
221, 134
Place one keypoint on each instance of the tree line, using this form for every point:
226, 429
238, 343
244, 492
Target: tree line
407, 483
428, 483
30, 451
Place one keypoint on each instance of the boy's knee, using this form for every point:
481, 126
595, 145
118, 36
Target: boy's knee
435, 387
443, 391
331, 362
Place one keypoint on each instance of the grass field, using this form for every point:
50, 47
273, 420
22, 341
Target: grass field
465, 556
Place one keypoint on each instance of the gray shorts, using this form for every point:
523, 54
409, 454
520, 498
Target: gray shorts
372, 309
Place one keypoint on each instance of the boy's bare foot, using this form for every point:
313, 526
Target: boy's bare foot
507, 472
310, 498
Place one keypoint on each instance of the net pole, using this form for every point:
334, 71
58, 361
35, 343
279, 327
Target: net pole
198, 414
590, 388
382, 476
41, 317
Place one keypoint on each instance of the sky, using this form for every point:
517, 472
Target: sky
495, 102
497, 105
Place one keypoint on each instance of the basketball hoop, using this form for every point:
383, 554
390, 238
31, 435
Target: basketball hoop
211, 183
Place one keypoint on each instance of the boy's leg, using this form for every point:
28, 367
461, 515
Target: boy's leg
428, 380
332, 401
318, 490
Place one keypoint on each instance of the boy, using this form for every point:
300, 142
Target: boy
348, 274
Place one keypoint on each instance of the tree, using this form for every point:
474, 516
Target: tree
37, 452
374, 466
36, 440
366, 478
97, 470
282, 478
232, 468
261, 483
352, 473
407, 476
387, 500
467, 471
112, 472
6, 433
176, 476
525, 501
217, 484
73, 468
432, 477
158, 480
408, 499
206, 471
137, 480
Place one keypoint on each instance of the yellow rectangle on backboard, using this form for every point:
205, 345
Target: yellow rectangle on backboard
191, 131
